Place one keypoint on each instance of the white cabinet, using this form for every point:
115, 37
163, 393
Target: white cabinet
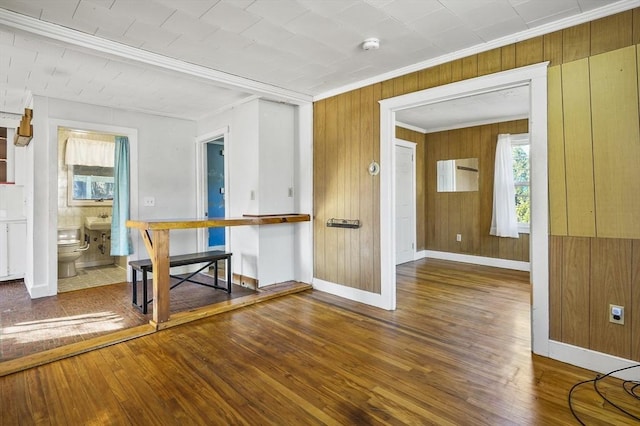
13, 235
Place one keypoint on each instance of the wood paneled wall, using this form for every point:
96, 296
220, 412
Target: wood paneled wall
595, 146
588, 274
356, 115
345, 128
468, 213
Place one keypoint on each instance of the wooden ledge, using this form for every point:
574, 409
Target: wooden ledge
163, 224
29, 361
263, 294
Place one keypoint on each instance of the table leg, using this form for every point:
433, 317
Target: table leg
161, 278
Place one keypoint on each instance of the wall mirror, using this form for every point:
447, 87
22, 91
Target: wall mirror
459, 175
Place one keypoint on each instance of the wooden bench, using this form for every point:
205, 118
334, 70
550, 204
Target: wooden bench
207, 257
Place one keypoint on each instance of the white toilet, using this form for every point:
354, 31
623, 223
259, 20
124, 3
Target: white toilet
70, 248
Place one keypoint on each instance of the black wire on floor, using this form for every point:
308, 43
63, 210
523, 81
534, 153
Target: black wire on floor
631, 387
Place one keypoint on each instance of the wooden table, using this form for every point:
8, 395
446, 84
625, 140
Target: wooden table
155, 234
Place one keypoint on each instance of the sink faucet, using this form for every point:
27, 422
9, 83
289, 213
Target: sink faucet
103, 216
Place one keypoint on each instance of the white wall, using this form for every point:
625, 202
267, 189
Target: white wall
165, 169
254, 169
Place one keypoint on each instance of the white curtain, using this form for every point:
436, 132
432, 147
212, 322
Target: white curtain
86, 152
504, 222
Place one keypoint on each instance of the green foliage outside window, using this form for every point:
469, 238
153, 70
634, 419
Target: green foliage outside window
522, 179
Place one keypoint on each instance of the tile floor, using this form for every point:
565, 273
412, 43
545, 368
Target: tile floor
33, 325
93, 277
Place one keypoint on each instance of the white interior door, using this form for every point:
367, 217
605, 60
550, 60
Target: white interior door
405, 202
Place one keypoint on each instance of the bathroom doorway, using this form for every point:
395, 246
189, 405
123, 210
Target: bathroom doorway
85, 197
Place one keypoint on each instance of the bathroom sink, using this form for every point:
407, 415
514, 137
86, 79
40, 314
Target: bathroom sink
96, 223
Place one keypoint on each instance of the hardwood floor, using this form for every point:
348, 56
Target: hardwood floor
456, 351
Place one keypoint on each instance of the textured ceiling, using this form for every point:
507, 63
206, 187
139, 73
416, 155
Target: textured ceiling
307, 47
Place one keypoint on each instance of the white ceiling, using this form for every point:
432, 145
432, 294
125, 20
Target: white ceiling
190, 58
491, 107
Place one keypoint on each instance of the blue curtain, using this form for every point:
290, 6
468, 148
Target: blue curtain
120, 237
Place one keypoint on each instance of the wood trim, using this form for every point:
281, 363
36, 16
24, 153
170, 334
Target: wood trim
51, 355
264, 294
245, 281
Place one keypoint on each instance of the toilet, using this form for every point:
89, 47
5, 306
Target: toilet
70, 248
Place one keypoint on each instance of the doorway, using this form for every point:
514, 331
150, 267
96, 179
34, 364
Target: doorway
215, 192
535, 78
95, 266
213, 188
405, 178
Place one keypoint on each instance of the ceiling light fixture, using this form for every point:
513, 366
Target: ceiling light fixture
371, 44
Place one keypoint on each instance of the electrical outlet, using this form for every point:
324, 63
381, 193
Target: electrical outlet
458, 237
616, 314
149, 201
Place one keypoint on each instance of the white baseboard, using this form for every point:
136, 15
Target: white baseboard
37, 291
350, 293
12, 277
478, 260
592, 360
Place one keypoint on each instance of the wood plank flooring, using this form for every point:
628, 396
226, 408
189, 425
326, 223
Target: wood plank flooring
457, 351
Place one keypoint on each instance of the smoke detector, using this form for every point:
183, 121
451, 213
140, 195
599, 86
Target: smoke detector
371, 44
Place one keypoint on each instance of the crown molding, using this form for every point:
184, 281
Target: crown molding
76, 38
550, 27
411, 127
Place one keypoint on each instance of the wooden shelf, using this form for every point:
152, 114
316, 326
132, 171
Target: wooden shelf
216, 222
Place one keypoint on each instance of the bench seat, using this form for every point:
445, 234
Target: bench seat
206, 257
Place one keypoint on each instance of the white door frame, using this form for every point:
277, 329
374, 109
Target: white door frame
412, 147
201, 183
534, 76
132, 135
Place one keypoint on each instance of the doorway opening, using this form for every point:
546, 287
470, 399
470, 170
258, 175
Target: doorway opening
212, 188
535, 78
405, 175
84, 213
215, 192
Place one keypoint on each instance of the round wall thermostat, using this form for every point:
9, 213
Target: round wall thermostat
374, 168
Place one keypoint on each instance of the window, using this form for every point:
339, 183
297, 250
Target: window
89, 185
521, 177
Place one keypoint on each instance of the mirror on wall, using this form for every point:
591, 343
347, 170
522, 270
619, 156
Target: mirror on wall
459, 175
